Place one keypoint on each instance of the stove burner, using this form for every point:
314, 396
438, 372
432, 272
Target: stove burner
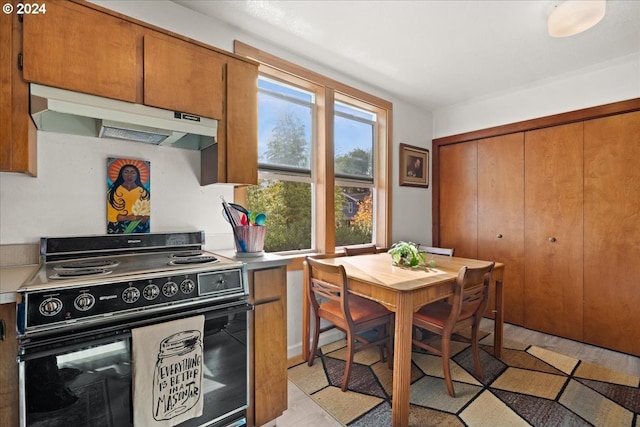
185, 254
87, 263
80, 272
194, 260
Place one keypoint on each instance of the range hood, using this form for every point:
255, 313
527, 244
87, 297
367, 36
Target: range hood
59, 110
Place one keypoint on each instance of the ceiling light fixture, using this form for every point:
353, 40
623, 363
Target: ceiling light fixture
571, 17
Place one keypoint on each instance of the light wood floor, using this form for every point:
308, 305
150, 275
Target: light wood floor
304, 411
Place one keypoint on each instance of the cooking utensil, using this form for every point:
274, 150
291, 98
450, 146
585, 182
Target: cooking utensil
257, 218
232, 221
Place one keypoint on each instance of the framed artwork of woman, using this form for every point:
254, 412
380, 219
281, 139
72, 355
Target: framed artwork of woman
414, 166
128, 196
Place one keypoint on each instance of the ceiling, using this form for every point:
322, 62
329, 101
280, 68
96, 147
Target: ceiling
434, 54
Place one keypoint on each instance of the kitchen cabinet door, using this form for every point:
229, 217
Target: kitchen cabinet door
9, 401
268, 329
17, 131
234, 159
459, 198
182, 76
554, 230
78, 48
501, 216
612, 232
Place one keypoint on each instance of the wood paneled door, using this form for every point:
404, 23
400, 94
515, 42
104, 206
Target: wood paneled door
501, 216
554, 230
612, 232
459, 199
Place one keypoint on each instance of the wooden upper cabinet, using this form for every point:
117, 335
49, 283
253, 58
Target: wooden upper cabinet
77, 48
459, 198
183, 77
612, 232
554, 230
17, 130
501, 215
234, 159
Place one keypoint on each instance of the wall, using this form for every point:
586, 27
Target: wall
610, 82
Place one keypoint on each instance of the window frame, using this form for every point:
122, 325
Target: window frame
327, 92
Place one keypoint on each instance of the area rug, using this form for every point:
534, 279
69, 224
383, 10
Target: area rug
528, 386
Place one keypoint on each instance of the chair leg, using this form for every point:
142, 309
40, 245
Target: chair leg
476, 350
390, 343
347, 367
314, 345
446, 352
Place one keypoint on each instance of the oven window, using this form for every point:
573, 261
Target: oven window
90, 385
86, 387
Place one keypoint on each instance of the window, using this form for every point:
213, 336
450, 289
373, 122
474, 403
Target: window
323, 160
354, 140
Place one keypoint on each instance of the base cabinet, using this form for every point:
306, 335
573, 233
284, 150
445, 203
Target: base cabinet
9, 415
268, 336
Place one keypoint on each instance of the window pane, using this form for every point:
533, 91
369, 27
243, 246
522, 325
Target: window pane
354, 215
353, 141
287, 205
284, 128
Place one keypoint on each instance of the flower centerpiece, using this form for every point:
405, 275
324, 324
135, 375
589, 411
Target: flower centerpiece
406, 254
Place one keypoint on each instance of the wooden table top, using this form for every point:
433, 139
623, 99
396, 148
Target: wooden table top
378, 270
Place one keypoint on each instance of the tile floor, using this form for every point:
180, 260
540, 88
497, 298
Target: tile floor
303, 411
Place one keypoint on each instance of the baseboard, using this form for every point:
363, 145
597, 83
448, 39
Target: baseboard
325, 338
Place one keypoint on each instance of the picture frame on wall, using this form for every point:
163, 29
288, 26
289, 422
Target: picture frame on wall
414, 166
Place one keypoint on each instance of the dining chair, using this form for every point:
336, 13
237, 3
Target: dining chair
330, 300
360, 250
436, 251
466, 307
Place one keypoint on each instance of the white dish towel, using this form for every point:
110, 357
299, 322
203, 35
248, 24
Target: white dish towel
167, 372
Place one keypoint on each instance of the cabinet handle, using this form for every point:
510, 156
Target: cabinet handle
499, 236
3, 330
552, 239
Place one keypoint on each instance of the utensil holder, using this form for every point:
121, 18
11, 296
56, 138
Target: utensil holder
253, 237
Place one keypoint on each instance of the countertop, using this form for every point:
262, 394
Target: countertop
255, 262
11, 278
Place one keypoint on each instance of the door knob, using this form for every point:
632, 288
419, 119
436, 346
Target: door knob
552, 239
499, 236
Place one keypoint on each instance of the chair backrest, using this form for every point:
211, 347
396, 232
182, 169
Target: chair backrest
327, 281
472, 288
360, 250
436, 251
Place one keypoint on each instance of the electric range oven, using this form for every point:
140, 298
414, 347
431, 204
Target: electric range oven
77, 315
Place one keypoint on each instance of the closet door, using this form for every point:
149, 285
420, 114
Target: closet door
459, 198
554, 230
501, 216
612, 232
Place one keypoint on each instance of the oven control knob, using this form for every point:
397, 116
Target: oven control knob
150, 292
84, 302
187, 286
131, 295
169, 289
50, 307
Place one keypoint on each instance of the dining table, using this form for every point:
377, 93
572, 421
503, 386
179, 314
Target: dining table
404, 290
